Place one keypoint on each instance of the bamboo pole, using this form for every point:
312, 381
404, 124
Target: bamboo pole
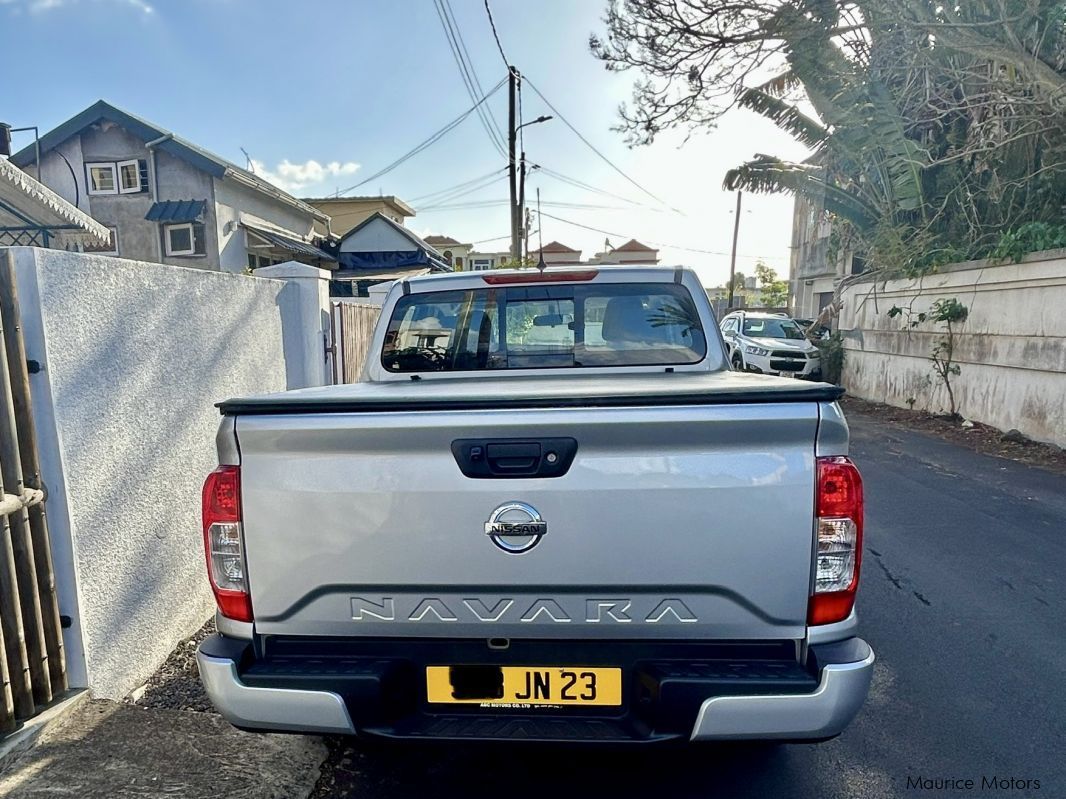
15, 345
21, 544
18, 665
7, 702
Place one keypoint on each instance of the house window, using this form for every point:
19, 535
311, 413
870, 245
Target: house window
111, 248
129, 177
184, 239
481, 264
256, 261
102, 178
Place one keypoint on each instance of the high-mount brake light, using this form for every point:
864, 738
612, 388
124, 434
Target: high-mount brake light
536, 276
838, 520
224, 543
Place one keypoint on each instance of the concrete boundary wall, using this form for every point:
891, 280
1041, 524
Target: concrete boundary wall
1011, 349
134, 355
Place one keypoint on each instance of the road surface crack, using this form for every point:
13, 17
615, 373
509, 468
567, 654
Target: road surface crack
898, 581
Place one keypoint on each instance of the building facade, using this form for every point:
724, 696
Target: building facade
815, 269
346, 213
455, 253
166, 200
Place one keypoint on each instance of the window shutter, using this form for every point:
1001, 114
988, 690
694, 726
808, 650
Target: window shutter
142, 167
199, 244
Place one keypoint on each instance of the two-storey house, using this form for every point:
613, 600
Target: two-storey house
169, 201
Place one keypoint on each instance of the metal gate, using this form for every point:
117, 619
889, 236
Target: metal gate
352, 326
32, 665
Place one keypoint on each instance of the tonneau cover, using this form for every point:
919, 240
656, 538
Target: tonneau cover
570, 390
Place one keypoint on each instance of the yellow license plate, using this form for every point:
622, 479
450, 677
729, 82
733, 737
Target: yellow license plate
524, 685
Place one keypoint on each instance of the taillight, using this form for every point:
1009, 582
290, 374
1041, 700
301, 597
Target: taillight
838, 512
224, 543
537, 276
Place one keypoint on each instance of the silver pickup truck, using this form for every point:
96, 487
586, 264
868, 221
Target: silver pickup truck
550, 511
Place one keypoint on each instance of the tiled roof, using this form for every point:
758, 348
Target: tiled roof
554, 246
634, 246
446, 241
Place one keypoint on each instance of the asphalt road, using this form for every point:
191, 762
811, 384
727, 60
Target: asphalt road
963, 598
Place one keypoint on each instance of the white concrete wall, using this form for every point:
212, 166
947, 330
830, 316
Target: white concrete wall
305, 306
134, 355
1011, 349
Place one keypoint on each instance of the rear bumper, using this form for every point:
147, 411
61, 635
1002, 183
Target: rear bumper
700, 700
842, 689
254, 708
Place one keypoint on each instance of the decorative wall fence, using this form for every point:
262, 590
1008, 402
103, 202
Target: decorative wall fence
32, 666
1011, 349
353, 326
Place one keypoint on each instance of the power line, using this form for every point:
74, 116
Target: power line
439, 201
454, 187
473, 72
592, 147
586, 186
494, 238
433, 139
503, 201
466, 71
649, 241
496, 35
468, 204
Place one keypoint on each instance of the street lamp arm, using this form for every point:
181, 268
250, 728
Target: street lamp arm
535, 121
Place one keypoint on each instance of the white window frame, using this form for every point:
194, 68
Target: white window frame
90, 166
137, 170
192, 238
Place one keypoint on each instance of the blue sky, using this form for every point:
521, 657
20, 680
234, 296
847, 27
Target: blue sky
323, 93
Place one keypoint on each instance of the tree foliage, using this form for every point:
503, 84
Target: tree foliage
935, 128
774, 290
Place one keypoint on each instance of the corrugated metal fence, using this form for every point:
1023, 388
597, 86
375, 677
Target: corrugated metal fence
353, 325
32, 667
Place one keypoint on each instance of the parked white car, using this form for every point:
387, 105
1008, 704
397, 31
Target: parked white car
770, 344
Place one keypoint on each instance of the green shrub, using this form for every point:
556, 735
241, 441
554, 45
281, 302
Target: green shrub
832, 350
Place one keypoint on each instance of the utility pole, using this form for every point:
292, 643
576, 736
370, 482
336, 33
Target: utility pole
527, 224
733, 258
512, 141
540, 235
521, 212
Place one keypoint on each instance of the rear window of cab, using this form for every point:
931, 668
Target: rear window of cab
544, 327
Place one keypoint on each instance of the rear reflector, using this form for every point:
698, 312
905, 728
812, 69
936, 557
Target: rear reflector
839, 517
224, 543
536, 276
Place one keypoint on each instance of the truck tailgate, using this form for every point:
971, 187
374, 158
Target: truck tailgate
692, 521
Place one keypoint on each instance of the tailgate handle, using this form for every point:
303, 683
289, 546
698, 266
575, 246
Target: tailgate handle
523, 458
514, 457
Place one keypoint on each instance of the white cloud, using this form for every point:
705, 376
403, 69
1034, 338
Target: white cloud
38, 6
297, 177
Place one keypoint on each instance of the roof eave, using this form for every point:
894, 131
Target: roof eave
276, 193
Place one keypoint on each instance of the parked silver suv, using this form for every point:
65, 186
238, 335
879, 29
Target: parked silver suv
770, 344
